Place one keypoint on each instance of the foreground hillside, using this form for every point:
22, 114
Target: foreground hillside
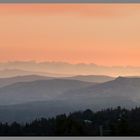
109, 122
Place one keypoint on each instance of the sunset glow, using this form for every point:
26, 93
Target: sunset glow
104, 34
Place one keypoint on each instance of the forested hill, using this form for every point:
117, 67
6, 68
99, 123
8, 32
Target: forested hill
108, 122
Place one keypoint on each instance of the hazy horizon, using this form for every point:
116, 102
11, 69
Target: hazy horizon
65, 68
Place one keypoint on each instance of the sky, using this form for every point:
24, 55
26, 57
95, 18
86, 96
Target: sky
104, 34
69, 1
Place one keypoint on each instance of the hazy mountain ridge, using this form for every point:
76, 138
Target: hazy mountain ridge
72, 95
22, 78
13, 72
121, 87
38, 90
26, 78
67, 69
31, 110
92, 78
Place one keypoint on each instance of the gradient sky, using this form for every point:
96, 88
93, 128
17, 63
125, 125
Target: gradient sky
105, 34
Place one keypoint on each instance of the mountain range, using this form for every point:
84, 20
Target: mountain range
12, 72
22, 77
33, 96
38, 90
92, 78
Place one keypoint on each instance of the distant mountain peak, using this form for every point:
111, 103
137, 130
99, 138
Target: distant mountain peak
120, 78
127, 78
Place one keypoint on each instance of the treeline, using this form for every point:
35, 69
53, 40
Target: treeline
108, 122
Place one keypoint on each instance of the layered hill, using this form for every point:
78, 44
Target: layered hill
46, 98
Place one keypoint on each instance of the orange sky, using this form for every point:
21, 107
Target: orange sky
105, 34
